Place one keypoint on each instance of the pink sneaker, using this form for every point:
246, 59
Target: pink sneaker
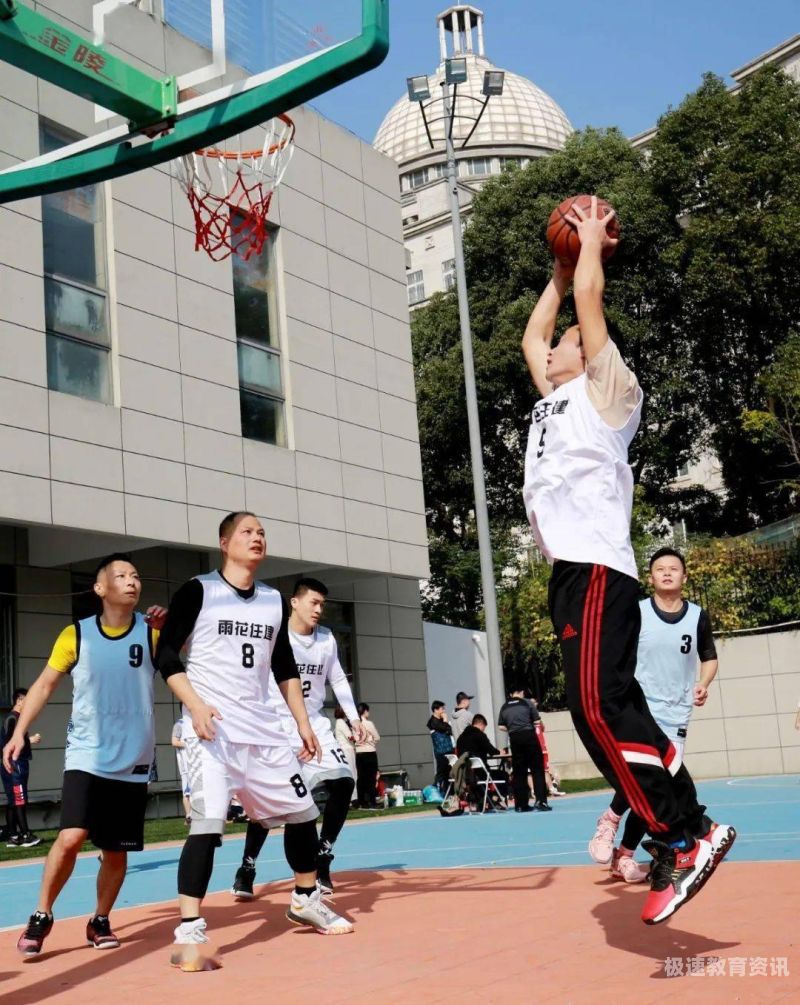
625, 867
601, 847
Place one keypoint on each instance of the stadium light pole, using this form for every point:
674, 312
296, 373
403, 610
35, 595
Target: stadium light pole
456, 73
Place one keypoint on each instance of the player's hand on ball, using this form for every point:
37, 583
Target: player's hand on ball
203, 720
155, 616
592, 228
700, 695
311, 747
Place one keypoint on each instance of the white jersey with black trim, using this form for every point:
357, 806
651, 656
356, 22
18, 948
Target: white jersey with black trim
228, 661
317, 658
578, 488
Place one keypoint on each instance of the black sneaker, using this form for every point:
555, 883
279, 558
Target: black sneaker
242, 888
99, 934
324, 881
542, 808
29, 840
523, 809
15, 841
39, 925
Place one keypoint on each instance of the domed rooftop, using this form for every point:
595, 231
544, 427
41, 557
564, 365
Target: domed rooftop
523, 116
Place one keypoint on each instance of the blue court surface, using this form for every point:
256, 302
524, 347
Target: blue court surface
764, 810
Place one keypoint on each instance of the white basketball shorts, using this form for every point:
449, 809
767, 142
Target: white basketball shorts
334, 762
268, 781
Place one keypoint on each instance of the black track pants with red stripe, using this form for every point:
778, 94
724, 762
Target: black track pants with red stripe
595, 612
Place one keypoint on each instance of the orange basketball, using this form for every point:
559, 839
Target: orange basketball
562, 235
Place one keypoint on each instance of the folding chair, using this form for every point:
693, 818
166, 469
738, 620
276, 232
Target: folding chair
483, 780
451, 784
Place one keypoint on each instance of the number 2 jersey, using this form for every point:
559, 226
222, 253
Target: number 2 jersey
111, 731
578, 488
237, 645
317, 659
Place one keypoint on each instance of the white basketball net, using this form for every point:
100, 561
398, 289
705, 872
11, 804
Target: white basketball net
230, 192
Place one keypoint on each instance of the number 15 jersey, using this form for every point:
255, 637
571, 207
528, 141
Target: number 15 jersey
236, 641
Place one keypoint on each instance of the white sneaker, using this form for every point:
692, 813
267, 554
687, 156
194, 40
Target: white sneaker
601, 847
191, 933
191, 950
626, 868
310, 909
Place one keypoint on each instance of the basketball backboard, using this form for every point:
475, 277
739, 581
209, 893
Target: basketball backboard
166, 77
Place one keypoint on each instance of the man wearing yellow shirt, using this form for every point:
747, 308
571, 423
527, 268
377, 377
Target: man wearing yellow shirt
110, 744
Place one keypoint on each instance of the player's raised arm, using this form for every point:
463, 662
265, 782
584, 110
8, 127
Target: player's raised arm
590, 281
542, 325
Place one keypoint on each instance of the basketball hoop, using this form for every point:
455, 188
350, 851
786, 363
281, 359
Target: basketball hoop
230, 191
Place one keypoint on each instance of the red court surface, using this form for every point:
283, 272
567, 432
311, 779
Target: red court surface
563, 935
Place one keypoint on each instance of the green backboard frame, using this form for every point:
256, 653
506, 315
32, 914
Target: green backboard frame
27, 41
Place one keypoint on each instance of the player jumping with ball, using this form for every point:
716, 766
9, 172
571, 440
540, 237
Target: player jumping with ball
317, 659
578, 496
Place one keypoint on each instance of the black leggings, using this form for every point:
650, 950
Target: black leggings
366, 786
595, 612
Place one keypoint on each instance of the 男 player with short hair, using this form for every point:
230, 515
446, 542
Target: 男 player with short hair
675, 634
578, 495
235, 631
317, 658
110, 744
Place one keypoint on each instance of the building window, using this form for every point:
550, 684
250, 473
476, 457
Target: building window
416, 287
449, 273
75, 285
683, 471
476, 166
261, 394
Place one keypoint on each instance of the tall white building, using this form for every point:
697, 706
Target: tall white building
146, 391
515, 127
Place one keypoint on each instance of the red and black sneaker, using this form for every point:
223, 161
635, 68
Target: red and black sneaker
677, 874
99, 934
720, 837
39, 926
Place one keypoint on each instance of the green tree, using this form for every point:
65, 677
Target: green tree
728, 165
778, 423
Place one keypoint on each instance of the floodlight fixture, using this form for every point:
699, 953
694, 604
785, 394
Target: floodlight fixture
493, 81
455, 70
418, 88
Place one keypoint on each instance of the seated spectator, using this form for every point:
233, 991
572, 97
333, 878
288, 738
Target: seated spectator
475, 742
442, 740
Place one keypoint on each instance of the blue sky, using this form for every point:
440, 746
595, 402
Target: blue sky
606, 62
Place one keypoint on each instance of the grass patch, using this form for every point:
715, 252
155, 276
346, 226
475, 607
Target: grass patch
583, 784
174, 829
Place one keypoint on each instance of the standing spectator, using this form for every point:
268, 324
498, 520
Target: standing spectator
344, 736
367, 761
518, 718
442, 740
797, 717
462, 717
15, 782
183, 773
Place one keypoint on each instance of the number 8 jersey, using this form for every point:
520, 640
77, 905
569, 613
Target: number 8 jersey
236, 642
